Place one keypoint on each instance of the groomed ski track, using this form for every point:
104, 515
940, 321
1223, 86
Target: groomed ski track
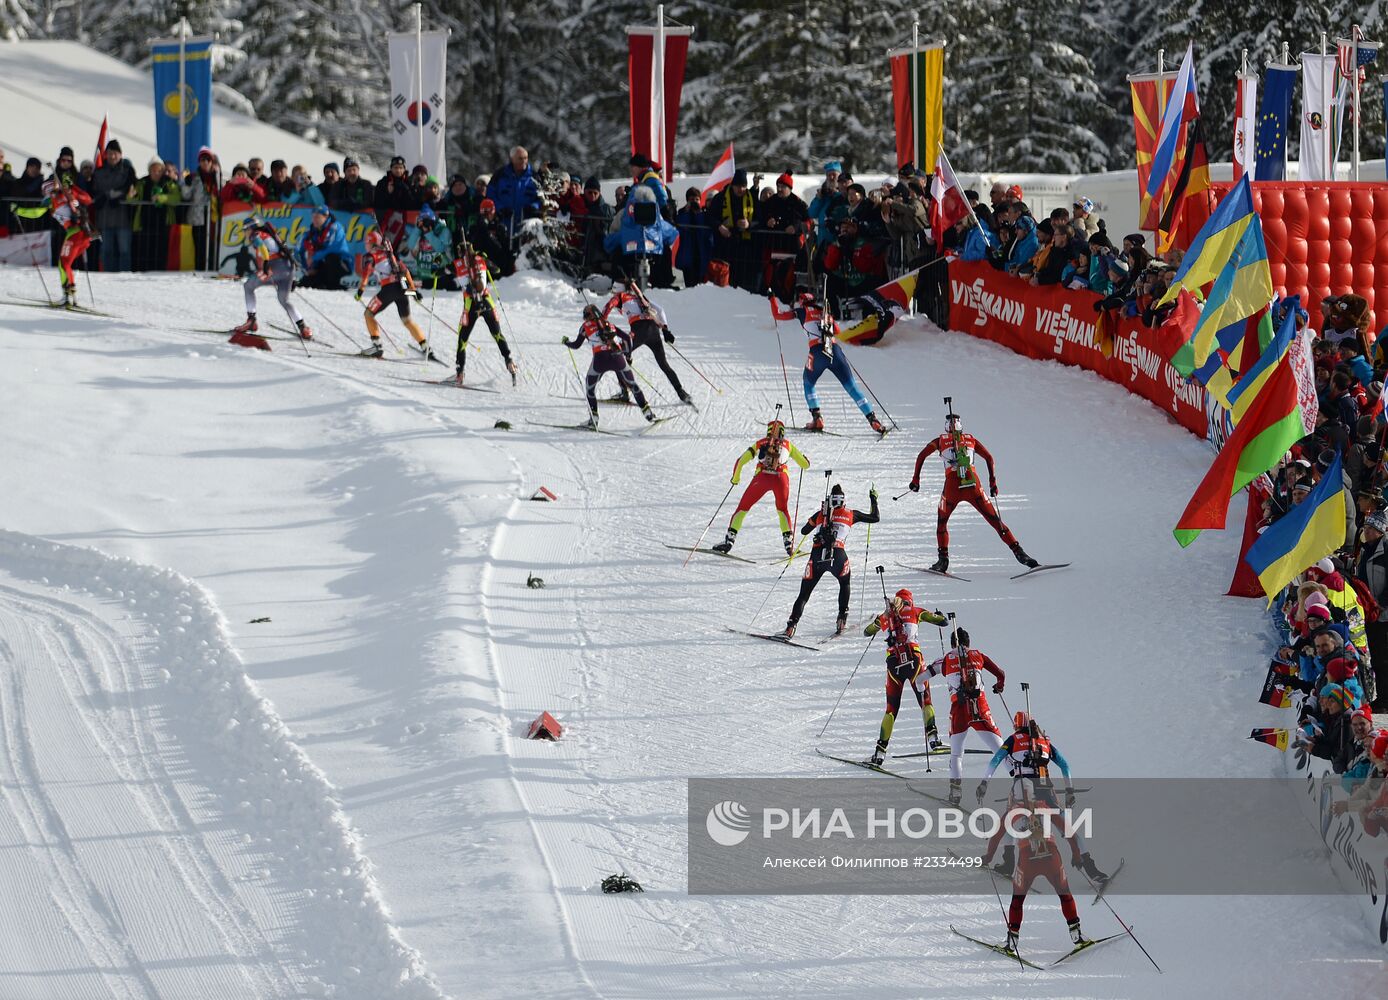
384, 527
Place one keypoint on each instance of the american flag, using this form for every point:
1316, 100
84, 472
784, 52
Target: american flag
1351, 57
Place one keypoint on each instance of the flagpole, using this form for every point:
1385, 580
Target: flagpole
1354, 68
913, 75
658, 62
1327, 100
1286, 61
419, 76
182, 93
1243, 116
1161, 89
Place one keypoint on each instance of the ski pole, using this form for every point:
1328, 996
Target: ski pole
862, 597
86, 270
34, 257
429, 330
696, 369
305, 300
845, 687
900, 495
995, 876
582, 388
1104, 899
795, 521
709, 525
895, 425
784, 375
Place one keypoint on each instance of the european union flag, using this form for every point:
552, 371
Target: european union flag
1274, 114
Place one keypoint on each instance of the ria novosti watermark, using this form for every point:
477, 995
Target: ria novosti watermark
870, 835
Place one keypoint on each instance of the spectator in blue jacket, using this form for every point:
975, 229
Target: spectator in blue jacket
978, 238
643, 171
323, 253
514, 192
305, 191
1026, 244
828, 200
641, 232
696, 239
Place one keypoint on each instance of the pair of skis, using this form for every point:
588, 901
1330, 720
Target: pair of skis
37, 304
1002, 949
603, 430
965, 579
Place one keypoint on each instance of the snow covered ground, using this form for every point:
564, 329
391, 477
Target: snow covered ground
165, 836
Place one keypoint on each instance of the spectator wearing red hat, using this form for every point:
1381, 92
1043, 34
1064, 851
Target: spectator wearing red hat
489, 236
1355, 779
1375, 816
201, 190
783, 219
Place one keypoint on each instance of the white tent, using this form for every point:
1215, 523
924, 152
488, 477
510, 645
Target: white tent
54, 94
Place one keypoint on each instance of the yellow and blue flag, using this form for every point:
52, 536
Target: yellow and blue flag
1215, 243
182, 73
1306, 534
1242, 288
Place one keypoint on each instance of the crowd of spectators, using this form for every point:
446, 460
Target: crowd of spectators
1071, 248
1333, 618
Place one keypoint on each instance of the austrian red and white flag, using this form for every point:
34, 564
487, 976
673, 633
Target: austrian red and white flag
1246, 126
100, 158
722, 174
948, 194
655, 73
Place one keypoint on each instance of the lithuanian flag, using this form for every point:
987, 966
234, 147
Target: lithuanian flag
1271, 425
1307, 533
1278, 738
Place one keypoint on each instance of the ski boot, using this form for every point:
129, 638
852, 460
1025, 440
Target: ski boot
932, 740
648, 413
304, 332
592, 423
511, 370
955, 791
841, 624
458, 378
374, 351
70, 296
1077, 935
622, 397
941, 565
789, 633
1011, 944
789, 541
879, 754
1086, 864
685, 398
1009, 860
1022, 556
250, 326
876, 424
726, 545
816, 422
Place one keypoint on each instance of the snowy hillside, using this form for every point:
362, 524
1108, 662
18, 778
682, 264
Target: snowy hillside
269, 656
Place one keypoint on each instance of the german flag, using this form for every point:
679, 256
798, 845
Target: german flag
1276, 691
1272, 737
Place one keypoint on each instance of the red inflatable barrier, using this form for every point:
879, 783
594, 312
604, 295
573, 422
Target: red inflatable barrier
1326, 239
1059, 324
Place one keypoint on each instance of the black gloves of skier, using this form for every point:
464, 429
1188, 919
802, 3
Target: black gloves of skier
418, 295
997, 688
993, 488
1069, 798
669, 337
982, 790
915, 486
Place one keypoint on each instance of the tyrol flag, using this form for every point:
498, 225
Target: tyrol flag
182, 98
1274, 116
918, 103
418, 69
1245, 125
655, 72
1320, 119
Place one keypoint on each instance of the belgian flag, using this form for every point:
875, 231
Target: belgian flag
1272, 737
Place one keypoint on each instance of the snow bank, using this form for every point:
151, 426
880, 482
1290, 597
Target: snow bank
266, 780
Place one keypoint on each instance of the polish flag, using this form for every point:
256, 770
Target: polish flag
100, 157
722, 174
948, 194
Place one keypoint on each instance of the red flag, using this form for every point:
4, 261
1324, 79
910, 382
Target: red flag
100, 157
655, 79
1179, 326
723, 172
948, 195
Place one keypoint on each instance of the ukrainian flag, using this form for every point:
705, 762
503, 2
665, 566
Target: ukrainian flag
1239, 345
1309, 532
1241, 396
1215, 243
1242, 287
